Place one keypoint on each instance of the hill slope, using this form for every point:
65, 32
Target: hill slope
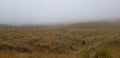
79, 40
93, 25
5, 25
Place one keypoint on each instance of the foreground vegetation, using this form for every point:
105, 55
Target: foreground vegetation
59, 43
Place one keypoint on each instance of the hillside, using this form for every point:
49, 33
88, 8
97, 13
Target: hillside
96, 24
79, 40
112, 24
5, 25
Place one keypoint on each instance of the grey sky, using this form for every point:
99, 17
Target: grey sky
56, 11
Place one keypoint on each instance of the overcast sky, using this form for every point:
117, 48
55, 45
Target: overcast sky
56, 11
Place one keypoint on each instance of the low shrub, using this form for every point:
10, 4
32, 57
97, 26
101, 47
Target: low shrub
6, 47
14, 48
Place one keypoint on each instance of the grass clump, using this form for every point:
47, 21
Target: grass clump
103, 52
84, 54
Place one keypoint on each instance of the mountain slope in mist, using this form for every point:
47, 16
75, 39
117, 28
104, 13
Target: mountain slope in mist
5, 25
95, 24
76, 40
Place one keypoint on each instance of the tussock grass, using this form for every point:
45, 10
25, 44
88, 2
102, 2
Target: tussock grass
70, 43
103, 52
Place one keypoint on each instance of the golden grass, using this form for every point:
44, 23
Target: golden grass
71, 43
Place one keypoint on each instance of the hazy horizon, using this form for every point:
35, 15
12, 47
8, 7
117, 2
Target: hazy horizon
19, 12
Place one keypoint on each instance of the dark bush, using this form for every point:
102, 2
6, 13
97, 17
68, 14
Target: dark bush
6, 47
83, 42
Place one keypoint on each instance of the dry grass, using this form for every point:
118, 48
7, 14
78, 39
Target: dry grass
70, 43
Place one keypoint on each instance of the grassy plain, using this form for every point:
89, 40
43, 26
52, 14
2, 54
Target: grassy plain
59, 43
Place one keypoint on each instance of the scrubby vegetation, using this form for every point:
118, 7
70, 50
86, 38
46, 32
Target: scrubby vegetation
18, 42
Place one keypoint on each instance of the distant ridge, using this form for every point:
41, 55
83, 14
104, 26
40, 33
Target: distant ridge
94, 25
5, 25
87, 25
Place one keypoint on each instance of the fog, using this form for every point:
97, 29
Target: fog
57, 11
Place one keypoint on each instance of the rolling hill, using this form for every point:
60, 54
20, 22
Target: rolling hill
77, 40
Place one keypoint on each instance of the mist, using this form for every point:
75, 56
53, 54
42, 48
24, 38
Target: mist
18, 12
